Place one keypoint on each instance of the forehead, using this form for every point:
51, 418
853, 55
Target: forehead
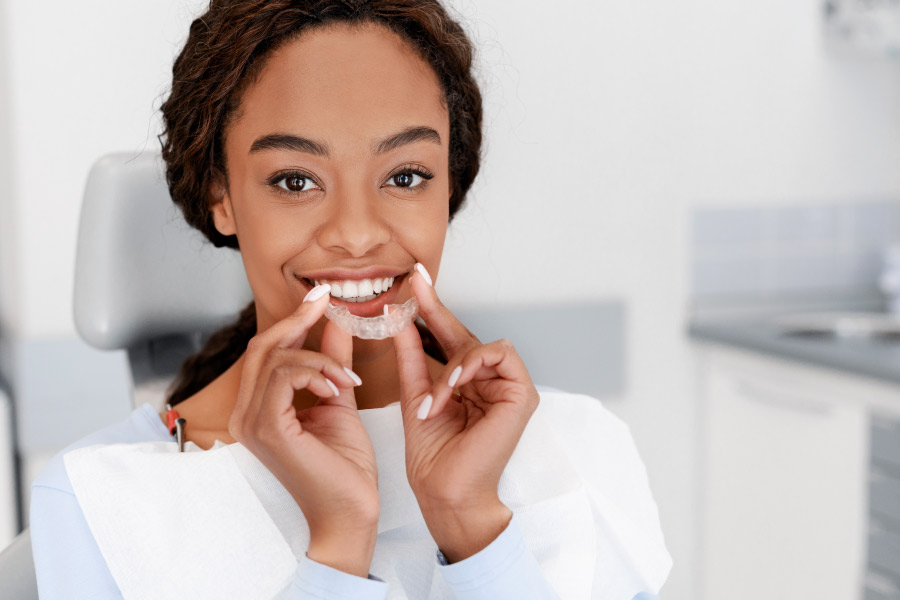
342, 84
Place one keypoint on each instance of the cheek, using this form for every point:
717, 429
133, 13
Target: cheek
424, 239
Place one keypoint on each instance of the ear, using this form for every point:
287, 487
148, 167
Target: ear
220, 205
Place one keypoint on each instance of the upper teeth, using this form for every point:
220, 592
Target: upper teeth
359, 290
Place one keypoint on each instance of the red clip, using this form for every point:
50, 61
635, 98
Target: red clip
171, 415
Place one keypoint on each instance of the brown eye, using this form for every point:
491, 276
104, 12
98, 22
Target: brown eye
403, 179
409, 179
295, 183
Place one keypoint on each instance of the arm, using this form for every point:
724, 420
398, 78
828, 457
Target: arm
66, 557
506, 568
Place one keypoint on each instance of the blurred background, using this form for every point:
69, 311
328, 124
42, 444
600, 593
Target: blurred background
716, 181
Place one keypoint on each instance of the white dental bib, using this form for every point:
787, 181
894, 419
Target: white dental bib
218, 524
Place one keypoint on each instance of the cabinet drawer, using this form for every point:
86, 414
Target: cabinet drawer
884, 497
886, 443
884, 549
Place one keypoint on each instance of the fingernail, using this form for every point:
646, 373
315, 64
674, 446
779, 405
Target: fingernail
353, 376
387, 309
421, 269
454, 376
425, 407
317, 292
332, 386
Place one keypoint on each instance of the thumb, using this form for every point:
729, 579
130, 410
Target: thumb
415, 381
338, 344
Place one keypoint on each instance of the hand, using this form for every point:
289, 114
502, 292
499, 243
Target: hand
454, 458
322, 455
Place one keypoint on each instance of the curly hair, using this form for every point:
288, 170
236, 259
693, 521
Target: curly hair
225, 50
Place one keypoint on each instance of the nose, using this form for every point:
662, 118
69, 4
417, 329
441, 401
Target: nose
354, 225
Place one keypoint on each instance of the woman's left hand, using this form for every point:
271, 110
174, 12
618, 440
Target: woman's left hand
455, 456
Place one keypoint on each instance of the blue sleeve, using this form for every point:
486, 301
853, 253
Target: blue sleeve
315, 581
505, 569
68, 562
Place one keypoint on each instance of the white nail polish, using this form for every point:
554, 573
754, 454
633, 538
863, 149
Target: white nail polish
387, 309
333, 387
353, 376
421, 269
454, 376
317, 292
425, 407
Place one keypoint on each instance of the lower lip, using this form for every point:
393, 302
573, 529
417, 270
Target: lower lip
372, 308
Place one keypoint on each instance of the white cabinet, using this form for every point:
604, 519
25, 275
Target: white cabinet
785, 471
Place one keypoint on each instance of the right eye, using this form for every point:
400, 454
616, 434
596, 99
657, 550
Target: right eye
294, 183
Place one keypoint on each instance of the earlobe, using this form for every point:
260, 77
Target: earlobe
220, 205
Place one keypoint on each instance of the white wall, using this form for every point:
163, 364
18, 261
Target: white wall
606, 122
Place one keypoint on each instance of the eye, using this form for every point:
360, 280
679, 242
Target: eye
293, 183
409, 178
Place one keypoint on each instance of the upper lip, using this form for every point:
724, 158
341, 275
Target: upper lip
355, 274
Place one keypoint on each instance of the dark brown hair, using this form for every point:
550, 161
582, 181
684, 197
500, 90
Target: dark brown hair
225, 49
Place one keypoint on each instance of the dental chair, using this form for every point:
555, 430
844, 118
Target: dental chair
145, 282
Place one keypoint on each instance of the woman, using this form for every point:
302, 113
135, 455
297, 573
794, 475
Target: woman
332, 142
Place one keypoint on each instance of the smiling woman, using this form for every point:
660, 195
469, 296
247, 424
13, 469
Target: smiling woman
331, 143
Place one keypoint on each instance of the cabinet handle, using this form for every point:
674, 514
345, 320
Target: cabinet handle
779, 399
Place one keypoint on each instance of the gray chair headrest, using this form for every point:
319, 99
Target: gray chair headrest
141, 271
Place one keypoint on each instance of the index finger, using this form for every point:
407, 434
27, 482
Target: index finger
290, 332
450, 333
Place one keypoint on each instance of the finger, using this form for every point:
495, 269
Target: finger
337, 345
485, 362
289, 332
450, 333
412, 369
278, 405
323, 363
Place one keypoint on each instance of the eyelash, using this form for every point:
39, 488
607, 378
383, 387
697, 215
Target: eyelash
278, 177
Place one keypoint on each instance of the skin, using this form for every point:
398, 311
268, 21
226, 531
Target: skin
348, 87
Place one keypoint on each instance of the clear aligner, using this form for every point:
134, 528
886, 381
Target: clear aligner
374, 328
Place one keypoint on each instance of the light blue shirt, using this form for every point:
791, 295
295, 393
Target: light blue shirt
68, 561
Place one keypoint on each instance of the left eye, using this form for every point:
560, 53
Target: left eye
406, 179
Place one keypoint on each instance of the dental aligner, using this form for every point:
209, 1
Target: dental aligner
374, 328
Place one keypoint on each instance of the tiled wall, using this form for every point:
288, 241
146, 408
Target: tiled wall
779, 250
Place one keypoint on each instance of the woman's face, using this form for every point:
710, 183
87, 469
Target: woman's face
337, 170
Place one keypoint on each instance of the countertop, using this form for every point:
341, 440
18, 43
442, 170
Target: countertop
758, 330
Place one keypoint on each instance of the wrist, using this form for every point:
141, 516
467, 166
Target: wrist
350, 553
463, 531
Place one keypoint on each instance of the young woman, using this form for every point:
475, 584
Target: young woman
332, 143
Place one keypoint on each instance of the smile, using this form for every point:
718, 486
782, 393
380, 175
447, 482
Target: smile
358, 291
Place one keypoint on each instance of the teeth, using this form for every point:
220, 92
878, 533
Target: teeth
359, 291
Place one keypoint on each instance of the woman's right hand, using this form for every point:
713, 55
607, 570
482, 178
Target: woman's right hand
322, 455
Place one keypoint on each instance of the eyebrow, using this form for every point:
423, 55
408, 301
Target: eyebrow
285, 141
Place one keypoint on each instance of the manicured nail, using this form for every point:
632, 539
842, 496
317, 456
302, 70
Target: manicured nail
332, 386
425, 407
387, 309
317, 292
353, 376
421, 269
454, 376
